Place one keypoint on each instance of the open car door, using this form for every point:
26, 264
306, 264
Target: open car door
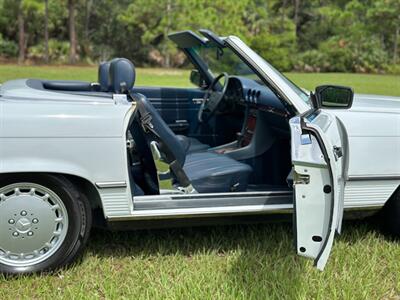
317, 157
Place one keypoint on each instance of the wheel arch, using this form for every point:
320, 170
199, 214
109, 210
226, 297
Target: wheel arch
84, 185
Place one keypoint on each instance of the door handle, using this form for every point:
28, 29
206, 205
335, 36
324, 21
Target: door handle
197, 100
179, 125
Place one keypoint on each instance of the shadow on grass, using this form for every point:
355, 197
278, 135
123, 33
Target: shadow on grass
262, 260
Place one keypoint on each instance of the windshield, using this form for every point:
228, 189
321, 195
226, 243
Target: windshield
295, 88
226, 60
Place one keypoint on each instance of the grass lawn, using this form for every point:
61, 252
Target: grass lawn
362, 83
226, 262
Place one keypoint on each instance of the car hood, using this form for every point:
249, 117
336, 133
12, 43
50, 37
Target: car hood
364, 102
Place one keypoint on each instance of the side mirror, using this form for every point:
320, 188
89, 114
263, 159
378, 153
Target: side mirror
196, 78
333, 96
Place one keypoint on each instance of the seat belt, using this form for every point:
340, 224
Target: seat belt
175, 166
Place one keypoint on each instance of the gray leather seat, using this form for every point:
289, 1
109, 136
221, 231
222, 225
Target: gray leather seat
192, 145
207, 172
214, 173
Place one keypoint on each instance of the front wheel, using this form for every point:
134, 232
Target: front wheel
44, 223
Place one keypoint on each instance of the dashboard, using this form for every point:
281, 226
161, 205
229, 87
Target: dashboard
251, 93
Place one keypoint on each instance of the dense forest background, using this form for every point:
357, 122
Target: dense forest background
303, 35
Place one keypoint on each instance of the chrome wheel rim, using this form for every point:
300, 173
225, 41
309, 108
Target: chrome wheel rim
33, 224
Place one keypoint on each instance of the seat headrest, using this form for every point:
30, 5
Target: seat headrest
121, 75
104, 69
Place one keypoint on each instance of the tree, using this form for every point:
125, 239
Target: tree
21, 21
384, 18
155, 19
72, 32
21, 33
396, 44
296, 5
110, 37
86, 29
328, 35
46, 31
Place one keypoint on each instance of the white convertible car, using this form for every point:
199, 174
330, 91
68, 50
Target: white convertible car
245, 142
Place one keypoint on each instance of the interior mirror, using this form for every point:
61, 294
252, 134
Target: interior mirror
196, 78
334, 96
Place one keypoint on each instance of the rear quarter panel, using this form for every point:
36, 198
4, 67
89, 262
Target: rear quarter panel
85, 139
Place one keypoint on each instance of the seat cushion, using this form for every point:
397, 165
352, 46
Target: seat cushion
215, 173
191, 144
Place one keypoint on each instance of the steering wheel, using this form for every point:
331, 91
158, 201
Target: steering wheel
212, 98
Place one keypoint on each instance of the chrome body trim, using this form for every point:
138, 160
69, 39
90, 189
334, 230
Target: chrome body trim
182, 201
260, 209
111, 184
372, 178
204, 211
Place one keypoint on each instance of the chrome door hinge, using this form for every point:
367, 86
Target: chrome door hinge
300, 178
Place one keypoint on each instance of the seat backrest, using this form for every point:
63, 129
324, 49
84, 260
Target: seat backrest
121, 80
121, 76
104, 69
169, 143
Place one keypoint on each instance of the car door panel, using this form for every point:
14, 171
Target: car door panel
177, 106
318, 184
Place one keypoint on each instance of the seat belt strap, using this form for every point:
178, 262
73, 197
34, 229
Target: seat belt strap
175, 166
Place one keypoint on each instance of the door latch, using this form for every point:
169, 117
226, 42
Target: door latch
338, 152
305, 139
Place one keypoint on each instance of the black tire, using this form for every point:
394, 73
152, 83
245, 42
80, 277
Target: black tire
389, 216
77, 234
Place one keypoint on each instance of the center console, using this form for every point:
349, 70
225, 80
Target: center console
245, 137
254, 139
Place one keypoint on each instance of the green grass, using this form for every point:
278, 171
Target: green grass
227, 262
161, 77
362, 83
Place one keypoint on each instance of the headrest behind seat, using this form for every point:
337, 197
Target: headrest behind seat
121, 76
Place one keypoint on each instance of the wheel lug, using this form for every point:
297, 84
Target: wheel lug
23, 213
15, 234
35, 221
11, 221
30, 233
